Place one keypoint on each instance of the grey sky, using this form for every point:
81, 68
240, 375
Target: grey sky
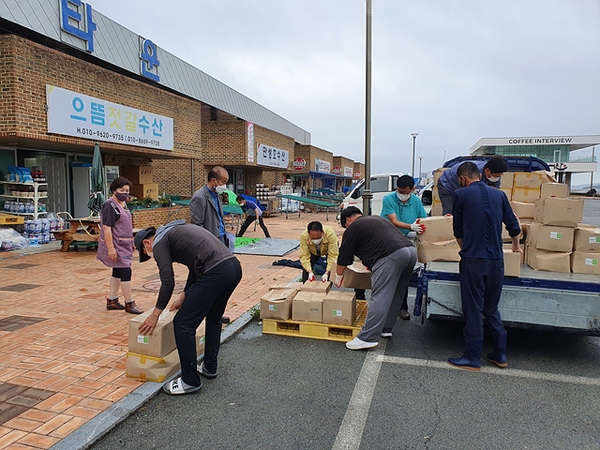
452, 71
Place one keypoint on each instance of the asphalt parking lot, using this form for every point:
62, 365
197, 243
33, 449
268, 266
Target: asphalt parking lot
277, 392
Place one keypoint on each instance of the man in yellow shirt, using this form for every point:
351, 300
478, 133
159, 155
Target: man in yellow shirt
317, 241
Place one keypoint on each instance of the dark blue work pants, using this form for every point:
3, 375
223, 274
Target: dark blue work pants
480, 289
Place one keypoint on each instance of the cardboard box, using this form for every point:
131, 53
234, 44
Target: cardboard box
438, 251
512, 263
308, 307
507, 180
138, 174
549, 261
547, 177
525, 228
523, 210
587, 240
151, 368
506, 237
550, 237
531, 180
142, 191
277, 304
437, 173
558, 190
293, 285
438, 229
339, 308
357, 276
160, 343
585, 263
563, 212
525, 194
508, 248
507, 192
317, 286
436, 208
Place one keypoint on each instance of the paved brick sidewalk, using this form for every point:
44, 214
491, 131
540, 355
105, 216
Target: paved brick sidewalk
63, 353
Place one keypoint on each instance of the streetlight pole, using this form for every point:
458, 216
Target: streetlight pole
412, 171
420, 161
367, 195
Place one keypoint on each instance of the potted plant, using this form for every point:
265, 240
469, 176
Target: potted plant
147, 202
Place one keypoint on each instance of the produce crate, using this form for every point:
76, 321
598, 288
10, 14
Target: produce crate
9, 219
315, 330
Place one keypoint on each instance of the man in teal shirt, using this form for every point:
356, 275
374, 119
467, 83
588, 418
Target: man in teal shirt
403, 209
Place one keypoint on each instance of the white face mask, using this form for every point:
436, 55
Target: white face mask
220, 189
150, 254
403, 197
493, 179
316, 241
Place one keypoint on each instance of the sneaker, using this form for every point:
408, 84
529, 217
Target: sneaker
404, 314
386, 333
132, 308
113, 304
175, 387
359, 344
205, 373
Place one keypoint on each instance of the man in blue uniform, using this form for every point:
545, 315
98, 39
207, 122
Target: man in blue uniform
491, 171
479, 211
253, 213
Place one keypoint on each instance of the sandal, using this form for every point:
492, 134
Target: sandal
175, 387
205, 373
132, 308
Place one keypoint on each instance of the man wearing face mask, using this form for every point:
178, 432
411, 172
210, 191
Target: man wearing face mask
206, 209
404, 209
317, 241
490, 171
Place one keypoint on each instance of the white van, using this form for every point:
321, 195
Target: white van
381, 185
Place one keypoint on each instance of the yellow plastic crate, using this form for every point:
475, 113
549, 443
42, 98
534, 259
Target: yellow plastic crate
9, 219
315, 330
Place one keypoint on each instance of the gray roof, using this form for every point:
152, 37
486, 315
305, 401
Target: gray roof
119, 46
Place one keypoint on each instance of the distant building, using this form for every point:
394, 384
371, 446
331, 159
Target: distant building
554, 150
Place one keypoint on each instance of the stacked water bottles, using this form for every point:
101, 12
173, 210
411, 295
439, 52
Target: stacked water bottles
39, 231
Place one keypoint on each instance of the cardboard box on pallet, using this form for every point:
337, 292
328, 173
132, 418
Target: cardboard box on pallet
507, 180
512, 263
550, 237
549, 261
308, 306
339, 308
293, 285
316, 286
160, 343
438, 251
277, 304
562, 212
154, 368
437, 229
587, 239
582, 262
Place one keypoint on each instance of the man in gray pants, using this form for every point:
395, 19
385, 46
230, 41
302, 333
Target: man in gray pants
390, 256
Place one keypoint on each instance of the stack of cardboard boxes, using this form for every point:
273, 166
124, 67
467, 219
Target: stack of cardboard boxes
314, 301
551, 236
141, 178
154, 357
438, 242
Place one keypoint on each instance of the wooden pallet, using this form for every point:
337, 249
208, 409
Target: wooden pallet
9, 219
315, 330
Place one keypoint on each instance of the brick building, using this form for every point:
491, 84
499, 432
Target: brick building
71, 77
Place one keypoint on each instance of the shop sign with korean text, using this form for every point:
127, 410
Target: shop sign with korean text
348, 172
78, 115
272, 157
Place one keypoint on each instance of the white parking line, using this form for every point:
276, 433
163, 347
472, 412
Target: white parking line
492, 370
351, 429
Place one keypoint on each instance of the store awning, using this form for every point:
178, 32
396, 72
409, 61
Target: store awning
322, 175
